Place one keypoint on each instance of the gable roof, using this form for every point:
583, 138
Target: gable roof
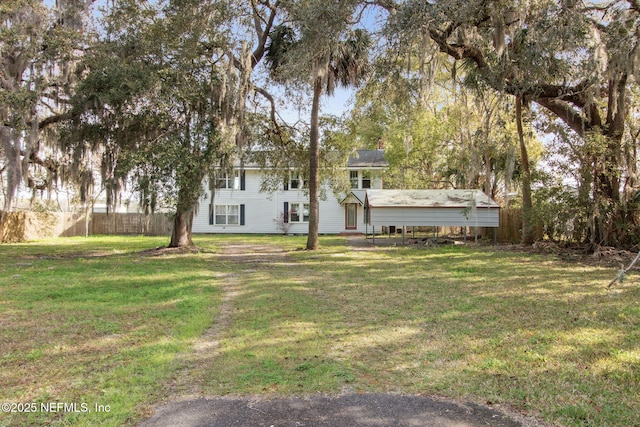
354, 196
429, 199
361, 159
368, 159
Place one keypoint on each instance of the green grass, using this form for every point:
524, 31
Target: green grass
91, 320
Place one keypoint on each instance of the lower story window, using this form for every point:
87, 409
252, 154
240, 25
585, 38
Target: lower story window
297, 212
226, 215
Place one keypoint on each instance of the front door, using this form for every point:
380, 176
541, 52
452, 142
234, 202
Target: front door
351, 216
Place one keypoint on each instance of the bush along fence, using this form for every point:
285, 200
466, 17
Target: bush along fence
26, 225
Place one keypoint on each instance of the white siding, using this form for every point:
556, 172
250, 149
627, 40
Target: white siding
262, 209
403, 216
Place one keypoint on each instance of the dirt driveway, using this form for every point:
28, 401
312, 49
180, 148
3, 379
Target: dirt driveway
351, 410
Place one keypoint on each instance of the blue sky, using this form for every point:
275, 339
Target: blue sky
336, 104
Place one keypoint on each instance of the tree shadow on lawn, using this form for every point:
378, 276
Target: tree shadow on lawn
516, 329
99, 329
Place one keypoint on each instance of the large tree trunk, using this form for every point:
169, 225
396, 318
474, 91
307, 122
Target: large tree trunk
314, 161
528, 234
609, 218
181, 234
487, 174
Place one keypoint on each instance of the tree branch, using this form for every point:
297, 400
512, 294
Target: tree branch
388, 5
258, 20
53, 119
566, 113
562, 100
571, 94
622, 273
457, 51
49, 164
263, 33
57, 118
269, 98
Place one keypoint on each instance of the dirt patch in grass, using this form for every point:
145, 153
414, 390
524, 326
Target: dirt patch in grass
236, 260
165, 250
104, 253
73, 255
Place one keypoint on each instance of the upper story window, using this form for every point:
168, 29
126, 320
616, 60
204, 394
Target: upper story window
366, 179
230, 181
353, 178
295, 182
360, 179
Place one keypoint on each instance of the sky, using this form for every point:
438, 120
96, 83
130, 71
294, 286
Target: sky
336, 104
339, 102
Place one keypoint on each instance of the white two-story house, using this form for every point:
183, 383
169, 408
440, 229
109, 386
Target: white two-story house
238, 205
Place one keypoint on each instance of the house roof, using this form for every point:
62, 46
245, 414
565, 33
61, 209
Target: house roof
368, 159
361, 159
429, 199
355, 196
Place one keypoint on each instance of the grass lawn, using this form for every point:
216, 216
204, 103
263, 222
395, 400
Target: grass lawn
96, 321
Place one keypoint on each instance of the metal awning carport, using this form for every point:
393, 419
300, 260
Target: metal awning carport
439, 208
